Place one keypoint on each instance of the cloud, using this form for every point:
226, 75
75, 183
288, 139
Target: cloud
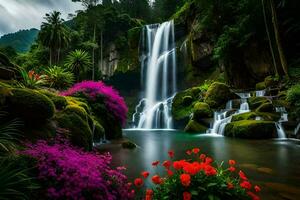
25, 14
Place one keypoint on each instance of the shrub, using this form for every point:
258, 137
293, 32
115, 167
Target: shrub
198, 178
96, 91
293, 97
70, 173
30, 105
59, 78
14, 180
31, 79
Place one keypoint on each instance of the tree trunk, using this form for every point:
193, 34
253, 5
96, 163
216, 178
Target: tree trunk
269, 39
58, 55
94, 41
277, 38
101, 57
50, 56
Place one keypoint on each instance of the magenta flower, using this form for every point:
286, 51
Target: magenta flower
113, 101
71, 173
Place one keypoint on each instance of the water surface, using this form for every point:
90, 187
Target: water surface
274, 164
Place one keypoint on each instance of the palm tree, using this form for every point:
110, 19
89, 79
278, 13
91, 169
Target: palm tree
54, 34
78, 61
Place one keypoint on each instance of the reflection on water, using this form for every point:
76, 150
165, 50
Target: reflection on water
268, 162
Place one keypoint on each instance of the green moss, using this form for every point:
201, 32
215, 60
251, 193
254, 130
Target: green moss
260, 86
270, 82
30, 105
251, 129
128, 145
80, 133
73, 101
183, 103
78, 110
266, 107
218, 94
133, 35
201, 110
60, 102
195, 127
98, 131
255, 102
252, 115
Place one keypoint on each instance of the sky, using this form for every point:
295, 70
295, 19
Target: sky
26, 14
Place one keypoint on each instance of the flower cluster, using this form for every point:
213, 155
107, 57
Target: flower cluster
93, 90
70, 173
198, 178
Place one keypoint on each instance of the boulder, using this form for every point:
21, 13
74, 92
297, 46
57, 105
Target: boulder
252, 116
251, 129
201, 110
266, 107
218, 94
260, 86
29, 105
255, 102
195, 127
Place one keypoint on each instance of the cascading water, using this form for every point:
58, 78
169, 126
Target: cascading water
158, 77
284, 118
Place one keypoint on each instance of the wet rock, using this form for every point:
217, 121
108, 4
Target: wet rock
266, 107
195, 127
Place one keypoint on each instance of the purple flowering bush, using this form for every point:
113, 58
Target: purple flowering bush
94, 90
71, 173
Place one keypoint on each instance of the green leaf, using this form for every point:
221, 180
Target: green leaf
211, 184
194, 192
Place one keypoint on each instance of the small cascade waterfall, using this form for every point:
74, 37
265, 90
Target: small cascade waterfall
158, 77
284, 118
260, 93
221, 119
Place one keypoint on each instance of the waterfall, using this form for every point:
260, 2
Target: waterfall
284, 118
158, 77
260, 93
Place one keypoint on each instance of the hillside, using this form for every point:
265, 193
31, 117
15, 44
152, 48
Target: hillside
21, 40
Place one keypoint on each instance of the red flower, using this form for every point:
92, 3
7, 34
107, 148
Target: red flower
246, 185
167, 164
178, 164
208, 160
196, 150
257, 188
145, 174
155, 163
202, 156
156, 180
231, 162
185, 179
242, 175
192, 168
253, 196
232, 169
138, 182
171, 153
189, 152
149, 192
187, 196
170, 173
210, 171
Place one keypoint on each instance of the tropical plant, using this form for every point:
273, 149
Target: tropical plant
58, 77
95, 91
31, 79
198, 178
78, 61
9, 132
14, 181
70, 173
54, 35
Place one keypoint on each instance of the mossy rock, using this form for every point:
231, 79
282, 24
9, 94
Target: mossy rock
75, 101
60, 102
183, 103
201, 110
252, 115
30, 105
251, 129
195, 127
266, 107
282, 95
255, 102
218, 94
260, 86
78, 110
128, 145
281, 103
80, 133
187, 100
270, 81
